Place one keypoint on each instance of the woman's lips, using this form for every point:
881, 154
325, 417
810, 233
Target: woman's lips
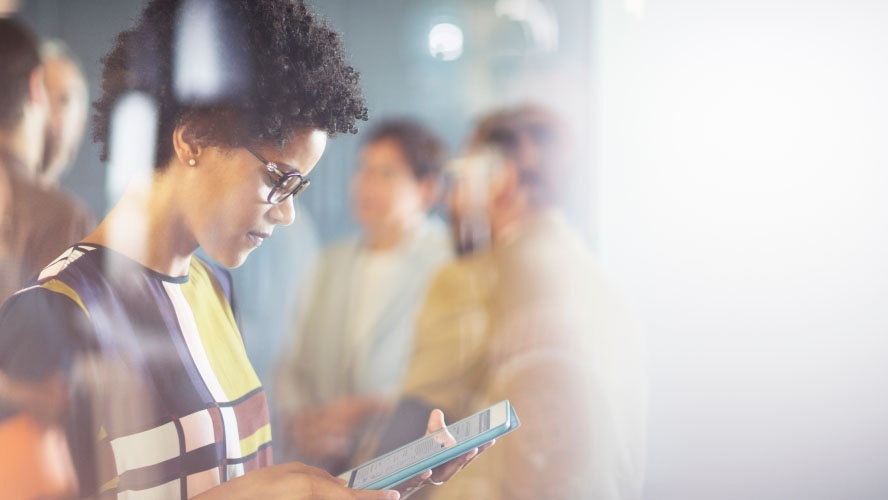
257, 237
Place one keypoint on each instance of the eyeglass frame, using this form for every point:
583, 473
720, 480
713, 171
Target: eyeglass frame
280, 177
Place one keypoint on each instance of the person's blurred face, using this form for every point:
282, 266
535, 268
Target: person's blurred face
225, 195
387, 194
67, 93
34, 122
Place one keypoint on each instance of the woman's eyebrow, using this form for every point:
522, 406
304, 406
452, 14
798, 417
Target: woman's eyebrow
286, 167
289, 169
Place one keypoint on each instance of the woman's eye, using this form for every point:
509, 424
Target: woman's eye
270, 180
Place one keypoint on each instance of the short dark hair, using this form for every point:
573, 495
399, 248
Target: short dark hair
19, 56
293, 63
423, 149
536, 140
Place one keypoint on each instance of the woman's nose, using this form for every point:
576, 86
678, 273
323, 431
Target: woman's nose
284, 213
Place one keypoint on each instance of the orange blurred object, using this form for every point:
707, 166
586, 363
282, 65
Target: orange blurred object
34, 461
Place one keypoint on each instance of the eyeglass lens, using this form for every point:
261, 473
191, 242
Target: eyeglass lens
292, 185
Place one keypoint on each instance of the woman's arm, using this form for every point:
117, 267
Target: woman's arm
295, 481
292, 481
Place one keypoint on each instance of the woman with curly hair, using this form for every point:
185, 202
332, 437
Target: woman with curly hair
162, 400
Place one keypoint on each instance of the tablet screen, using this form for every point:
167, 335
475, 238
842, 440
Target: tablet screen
420, 450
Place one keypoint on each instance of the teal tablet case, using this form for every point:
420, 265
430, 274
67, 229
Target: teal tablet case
441, 458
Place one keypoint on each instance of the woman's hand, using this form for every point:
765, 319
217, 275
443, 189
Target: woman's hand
292, 481
295, 481
444, 472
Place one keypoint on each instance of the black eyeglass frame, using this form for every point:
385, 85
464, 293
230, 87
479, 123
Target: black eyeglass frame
280, 177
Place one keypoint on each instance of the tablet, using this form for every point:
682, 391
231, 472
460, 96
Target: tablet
430, 451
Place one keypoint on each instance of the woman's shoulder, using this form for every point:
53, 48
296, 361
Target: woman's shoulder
431, 242
77, 259
436, 232
43, 326
54, 301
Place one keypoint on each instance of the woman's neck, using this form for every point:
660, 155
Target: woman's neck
390, 236
146, 227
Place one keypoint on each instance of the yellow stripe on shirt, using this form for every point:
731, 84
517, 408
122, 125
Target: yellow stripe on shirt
219, 334
250, 444
61, 288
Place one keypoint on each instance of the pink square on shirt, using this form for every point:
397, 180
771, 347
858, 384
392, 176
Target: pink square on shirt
202, 481
198, 430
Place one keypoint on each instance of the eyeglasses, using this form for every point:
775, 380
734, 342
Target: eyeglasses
285, 184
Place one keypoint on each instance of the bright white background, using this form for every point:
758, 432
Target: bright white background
744, 209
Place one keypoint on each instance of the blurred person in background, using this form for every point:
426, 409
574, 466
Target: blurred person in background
355, 335
526, 315
162, 399
37, 223
68, 97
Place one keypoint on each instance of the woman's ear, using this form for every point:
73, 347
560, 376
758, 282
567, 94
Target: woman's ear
186, 145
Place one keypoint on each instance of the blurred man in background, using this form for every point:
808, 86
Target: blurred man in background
36, 223
352, 342
526, 315
68, 106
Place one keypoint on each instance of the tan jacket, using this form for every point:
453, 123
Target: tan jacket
534, 321
36, 225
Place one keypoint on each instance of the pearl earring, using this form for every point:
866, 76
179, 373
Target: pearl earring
192, 162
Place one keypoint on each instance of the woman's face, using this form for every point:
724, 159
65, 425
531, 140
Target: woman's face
386, 192
225, 195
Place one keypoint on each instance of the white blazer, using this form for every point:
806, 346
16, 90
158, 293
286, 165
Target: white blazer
315, 369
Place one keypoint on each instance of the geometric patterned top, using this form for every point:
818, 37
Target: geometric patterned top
164, 402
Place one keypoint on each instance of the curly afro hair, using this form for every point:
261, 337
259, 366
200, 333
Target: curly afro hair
290, 64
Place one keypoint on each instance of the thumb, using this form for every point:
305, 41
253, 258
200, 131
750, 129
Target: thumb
436, 424
436, 421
